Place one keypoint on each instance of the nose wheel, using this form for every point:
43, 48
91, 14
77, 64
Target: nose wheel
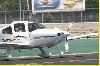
66, 48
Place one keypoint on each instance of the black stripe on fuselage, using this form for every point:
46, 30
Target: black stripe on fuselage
42, 37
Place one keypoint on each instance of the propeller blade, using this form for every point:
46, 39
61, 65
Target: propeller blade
70, 26
66, 47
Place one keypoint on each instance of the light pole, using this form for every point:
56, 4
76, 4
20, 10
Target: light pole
42, 15
28, 5
23, 15
20, 9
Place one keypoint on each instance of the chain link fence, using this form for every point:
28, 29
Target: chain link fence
89, 15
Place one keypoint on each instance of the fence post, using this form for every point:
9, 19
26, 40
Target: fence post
62, 17
81, 16
23, 15
5, 17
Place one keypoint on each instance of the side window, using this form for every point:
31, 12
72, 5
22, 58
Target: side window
7, 30
19, 27
31, 27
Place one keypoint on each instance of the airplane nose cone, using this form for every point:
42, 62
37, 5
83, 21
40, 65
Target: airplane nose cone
65, 33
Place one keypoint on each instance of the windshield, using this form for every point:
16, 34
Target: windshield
35, 26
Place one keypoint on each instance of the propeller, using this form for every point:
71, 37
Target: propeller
70, 26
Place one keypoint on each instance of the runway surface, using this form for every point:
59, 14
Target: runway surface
86, 58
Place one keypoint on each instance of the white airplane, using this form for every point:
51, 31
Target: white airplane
27, 35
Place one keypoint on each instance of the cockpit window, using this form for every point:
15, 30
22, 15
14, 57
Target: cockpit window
19, 27
7, 30
35, 26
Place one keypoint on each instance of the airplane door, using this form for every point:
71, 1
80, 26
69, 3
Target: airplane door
20, 30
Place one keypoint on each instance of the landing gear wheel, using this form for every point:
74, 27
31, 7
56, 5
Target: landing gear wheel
43, 53
61, 54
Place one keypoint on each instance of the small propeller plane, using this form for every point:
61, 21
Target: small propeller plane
27, 35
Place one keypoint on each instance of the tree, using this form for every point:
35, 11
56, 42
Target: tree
10, 5
92, 3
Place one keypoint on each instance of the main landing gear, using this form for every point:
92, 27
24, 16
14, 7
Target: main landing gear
43, 53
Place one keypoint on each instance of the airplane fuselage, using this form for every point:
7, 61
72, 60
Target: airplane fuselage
29, 37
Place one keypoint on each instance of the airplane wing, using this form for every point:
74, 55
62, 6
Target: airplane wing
6, 44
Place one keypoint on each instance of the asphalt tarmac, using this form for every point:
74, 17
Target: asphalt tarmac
86, 58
